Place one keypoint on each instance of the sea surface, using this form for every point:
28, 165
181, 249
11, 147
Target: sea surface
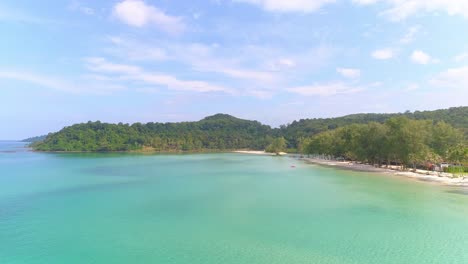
219, 208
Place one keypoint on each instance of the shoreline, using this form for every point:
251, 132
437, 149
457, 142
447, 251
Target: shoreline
258, 152
420, 175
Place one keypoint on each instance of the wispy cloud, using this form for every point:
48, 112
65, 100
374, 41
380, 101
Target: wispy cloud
383, 54
420, 57
411, 87
59, 84
410, 35
326, 89
256, 66
349, 72
303, 6
80, 7
136, 51
401, 9
364, 2
139, 14
18, 16
461, 57
197, 56
123, 72
97, 64
454, 78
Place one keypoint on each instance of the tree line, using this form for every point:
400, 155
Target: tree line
218, 132
455, 116
399, 140
406, 138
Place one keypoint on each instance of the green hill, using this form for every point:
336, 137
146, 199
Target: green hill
217, 132
455, 116
34, 139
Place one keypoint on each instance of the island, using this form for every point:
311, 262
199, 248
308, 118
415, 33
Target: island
426, 140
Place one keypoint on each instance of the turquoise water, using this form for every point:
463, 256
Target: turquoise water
218, 208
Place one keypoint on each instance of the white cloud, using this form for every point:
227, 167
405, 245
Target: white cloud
303, 6
244, 74
200, 57
261, 94
326, 89
421, 57
383, 54
134, 73
18, 16
205, 58
289, 63
401, 9
39, 80
410, 35
455, 78
78, 6
138, 14
59, 84
136, 51
364, 2
412, 87
173, 83
259, 71
349, 72
461, 57
101, 65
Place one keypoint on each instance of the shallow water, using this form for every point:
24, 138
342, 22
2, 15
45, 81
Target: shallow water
218, 208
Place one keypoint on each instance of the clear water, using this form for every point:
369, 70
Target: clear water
218, 208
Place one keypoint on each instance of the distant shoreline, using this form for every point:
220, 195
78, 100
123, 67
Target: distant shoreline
153, 151
258, 152
421, 175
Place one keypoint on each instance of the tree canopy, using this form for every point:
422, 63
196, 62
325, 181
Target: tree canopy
277, 146
218, 132
407, 138
400, 139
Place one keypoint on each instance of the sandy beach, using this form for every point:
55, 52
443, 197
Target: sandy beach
422, 175
258, 152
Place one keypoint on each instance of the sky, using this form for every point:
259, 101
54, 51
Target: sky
275, 61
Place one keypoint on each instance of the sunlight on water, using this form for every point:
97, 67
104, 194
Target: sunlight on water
218, 208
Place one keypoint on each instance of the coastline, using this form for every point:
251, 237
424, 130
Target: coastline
258, 152
420, 175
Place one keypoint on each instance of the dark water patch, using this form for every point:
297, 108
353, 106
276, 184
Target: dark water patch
10, 208
459, 191
8, 151
108, 171
86, 188
427, 179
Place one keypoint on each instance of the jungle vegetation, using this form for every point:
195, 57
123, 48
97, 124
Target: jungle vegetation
406, 138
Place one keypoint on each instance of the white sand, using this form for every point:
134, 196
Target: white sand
422, 175
258, 152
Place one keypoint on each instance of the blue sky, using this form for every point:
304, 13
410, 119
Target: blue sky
271, 60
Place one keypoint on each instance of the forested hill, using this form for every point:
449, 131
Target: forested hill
217, 132
455, 116
34, 139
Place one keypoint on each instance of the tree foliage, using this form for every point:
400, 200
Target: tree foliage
400, 139
277, 145
218, 132
407, 138
457, 117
